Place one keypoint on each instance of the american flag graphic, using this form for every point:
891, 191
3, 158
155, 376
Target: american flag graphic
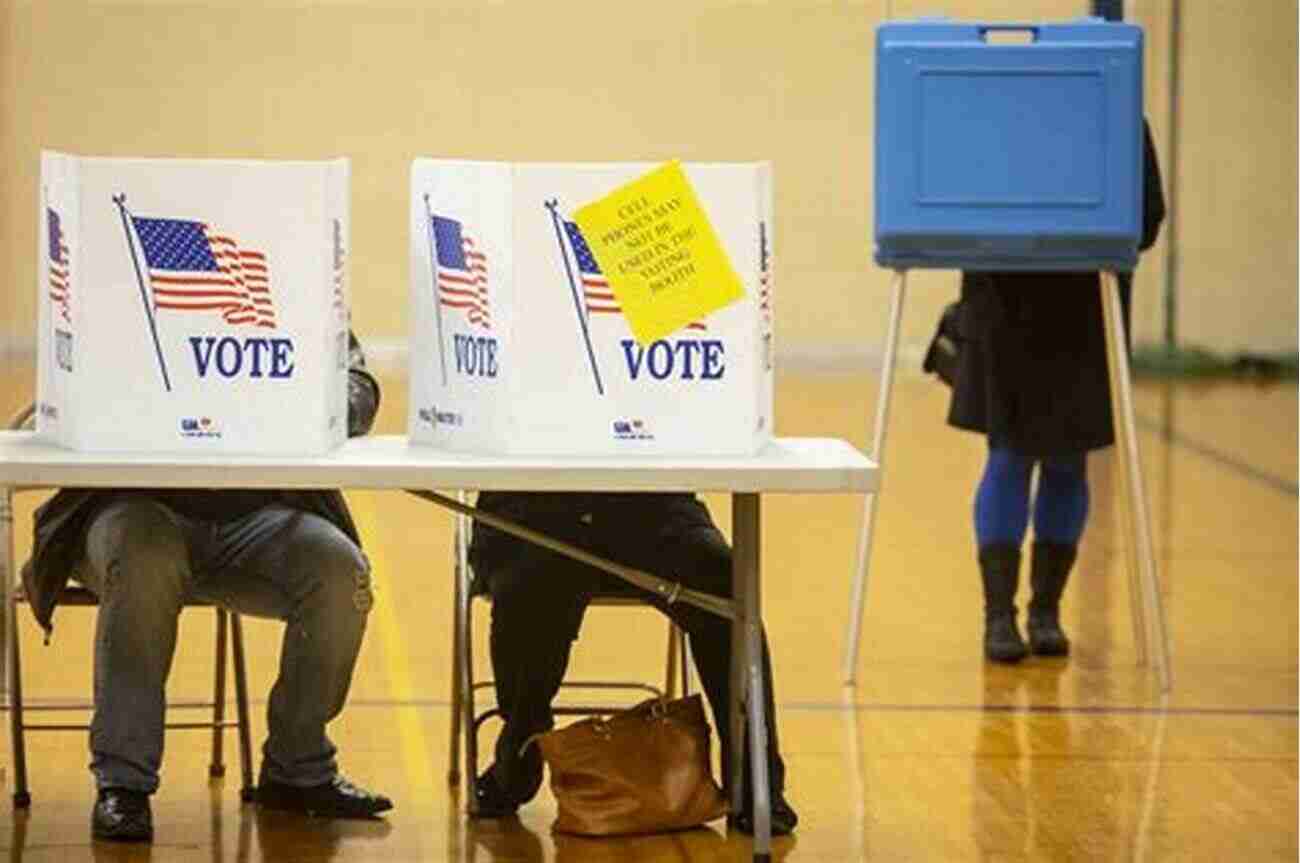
597, 295
60, 281
462, 271
337, 282
192, 268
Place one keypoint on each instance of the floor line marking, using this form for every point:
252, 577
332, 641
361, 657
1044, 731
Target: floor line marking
1226, 460
866, 706
415, 745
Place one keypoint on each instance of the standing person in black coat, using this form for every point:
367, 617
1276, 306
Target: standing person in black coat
1033, 377
539, 598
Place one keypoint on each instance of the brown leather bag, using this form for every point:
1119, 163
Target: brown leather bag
644, 770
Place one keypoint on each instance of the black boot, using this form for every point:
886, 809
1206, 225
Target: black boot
1049, 570
1000, 570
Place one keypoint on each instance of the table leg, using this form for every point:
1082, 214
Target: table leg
735, 721
746, 536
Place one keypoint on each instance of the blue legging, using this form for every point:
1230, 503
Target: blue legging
1002, 499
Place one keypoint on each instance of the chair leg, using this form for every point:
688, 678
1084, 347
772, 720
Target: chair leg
466, 676
218, 766
670, 676
684, 655
248, 791
453, 754
457, 638
22, 797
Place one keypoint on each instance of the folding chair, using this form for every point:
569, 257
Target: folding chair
464, 687
74, 595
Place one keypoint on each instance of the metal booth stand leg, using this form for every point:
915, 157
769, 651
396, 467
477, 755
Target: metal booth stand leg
1147, 606
1139, 517
1137, 607
857, 602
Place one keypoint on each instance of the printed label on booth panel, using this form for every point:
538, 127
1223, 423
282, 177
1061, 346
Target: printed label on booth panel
658, 252
433, 417
632, 429
200, 427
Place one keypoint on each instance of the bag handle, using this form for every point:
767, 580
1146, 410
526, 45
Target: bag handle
657, 708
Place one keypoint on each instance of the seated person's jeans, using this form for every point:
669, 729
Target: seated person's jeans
143, 561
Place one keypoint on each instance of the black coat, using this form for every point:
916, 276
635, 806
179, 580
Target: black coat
1032, 373
61, 522
573, 516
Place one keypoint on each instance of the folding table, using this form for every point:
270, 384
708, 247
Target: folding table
786, 465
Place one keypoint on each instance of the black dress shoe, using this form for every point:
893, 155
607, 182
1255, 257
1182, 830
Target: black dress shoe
122, 815
337, 798
784, 818
497, 798
490, 800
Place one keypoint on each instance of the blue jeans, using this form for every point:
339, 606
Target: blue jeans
143, 561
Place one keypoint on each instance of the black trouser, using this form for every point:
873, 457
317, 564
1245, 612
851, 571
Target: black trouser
538, 600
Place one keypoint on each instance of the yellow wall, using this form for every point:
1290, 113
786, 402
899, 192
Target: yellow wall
1238, 178
786, 80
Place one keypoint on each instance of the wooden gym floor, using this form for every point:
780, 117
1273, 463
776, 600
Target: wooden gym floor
933, 756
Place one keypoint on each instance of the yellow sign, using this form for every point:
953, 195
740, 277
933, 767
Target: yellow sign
660, 255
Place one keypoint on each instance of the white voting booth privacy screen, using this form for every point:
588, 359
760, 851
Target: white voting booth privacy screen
192, 305
519, 345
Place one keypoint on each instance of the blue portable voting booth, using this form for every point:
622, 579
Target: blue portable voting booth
995, 154
1014, 147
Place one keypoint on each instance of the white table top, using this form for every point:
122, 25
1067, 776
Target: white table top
805, 465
